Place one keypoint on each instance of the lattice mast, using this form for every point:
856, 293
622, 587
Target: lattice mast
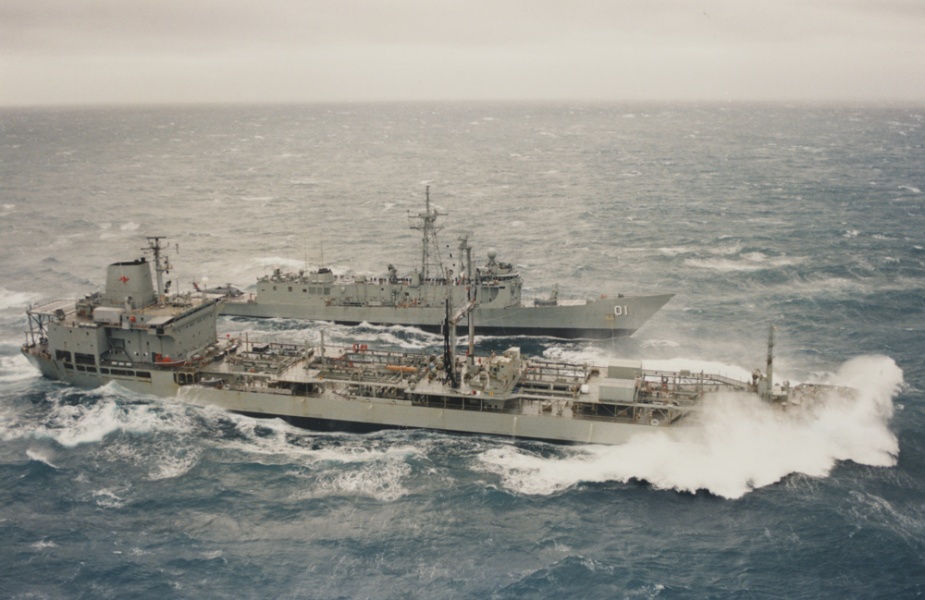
426, 223
161, 266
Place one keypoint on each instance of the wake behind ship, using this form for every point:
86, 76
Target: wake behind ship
137, 335
417, 300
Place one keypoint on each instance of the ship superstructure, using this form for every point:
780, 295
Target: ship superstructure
418, 299
131, 330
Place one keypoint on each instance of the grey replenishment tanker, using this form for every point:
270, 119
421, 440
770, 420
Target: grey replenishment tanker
139, 337
418, 300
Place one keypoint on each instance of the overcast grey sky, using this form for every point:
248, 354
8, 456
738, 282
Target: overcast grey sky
61, 52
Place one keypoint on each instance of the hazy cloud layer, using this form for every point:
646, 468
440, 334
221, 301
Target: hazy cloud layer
131, 51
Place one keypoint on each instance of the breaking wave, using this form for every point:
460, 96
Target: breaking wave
16, 300
737, 445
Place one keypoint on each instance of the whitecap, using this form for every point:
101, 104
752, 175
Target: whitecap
755, 256
16, 368
74, 424
17, 300
577, 354
42, 456
274, 444
169, 465
726, 250
676, 250
722, 265
278, 261
107, 498
752, 261
382, 480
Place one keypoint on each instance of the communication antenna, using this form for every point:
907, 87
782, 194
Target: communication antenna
154, 247
427, 225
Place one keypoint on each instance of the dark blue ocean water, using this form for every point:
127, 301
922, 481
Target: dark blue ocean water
807, 218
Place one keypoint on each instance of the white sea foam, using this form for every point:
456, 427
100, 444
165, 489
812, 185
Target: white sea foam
749, 261
676, 250
273, 444
356, 465
382, 480
577, 354
16, 368
42, 455
380, 336
737, 445
905, 520
174, 463
107, 498
277, 261
71, 425
16, 300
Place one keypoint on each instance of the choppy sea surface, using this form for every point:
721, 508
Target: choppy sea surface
811, 219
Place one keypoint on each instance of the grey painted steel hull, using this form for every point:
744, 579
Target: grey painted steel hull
598, 319
334, 411
384, 413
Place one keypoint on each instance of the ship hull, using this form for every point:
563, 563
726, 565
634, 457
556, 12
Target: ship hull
603, 318
370, 414
335, 412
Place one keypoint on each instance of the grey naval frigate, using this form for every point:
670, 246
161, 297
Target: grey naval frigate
142, 338
418, 299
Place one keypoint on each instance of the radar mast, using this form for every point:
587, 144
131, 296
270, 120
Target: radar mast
154, 247
430, 252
